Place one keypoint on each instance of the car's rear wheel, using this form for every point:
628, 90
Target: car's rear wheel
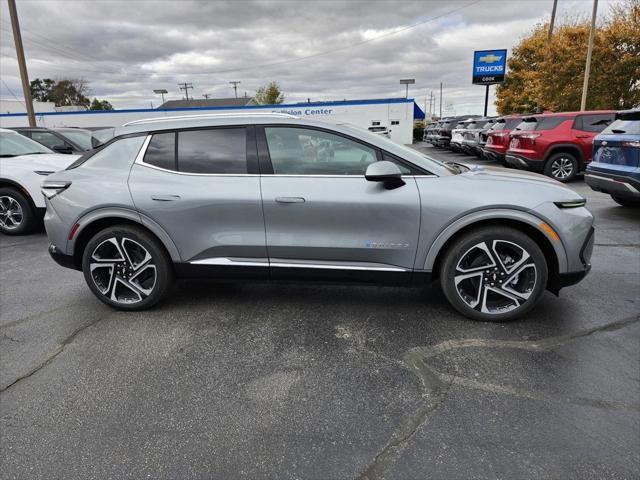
493, 274
127, 268
626, 201
562, 167
16, 214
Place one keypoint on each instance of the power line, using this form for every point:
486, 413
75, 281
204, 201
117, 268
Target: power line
11, 92
235, 87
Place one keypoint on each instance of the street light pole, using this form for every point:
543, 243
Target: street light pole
22, 65
553, 20
587, 67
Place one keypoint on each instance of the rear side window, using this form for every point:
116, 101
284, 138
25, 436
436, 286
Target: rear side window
161, 151
219, 150
547, 123
593, 123
510, 124
527, 125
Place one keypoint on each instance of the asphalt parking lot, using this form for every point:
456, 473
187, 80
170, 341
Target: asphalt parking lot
321, 382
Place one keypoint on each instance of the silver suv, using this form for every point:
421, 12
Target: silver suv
282, 198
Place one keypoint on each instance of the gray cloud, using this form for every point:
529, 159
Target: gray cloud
125, 49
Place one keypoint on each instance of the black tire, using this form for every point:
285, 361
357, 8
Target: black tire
526, 282
28, 219
113, 287
562, 167
626, 201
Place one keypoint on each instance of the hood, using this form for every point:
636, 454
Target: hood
521, 181
53, 161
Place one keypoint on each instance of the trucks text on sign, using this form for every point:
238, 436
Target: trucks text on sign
489, 66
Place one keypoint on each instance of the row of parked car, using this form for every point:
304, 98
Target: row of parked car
561, 145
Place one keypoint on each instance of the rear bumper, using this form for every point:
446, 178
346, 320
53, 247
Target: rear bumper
522, 162
616, 184
493, 155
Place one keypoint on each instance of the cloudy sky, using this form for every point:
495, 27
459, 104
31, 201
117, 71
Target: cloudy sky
322, 50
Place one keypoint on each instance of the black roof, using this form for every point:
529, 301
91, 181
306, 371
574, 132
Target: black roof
208, 102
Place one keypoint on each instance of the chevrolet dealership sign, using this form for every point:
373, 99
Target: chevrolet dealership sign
489, 66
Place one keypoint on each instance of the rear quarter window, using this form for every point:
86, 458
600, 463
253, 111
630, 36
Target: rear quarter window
593, 123
548, 123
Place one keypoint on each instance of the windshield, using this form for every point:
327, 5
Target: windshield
82, 138
14, 144
630, 127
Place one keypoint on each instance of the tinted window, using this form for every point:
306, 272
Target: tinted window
119, 154
527, 125
161, 151
48, 139
511, 123
219, 150
299, 151
630, 127
547, 123
593, 123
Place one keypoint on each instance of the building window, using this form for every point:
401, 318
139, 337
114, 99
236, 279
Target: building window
375, 124
395, 122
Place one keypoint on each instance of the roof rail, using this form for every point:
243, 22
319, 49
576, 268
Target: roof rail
206, 115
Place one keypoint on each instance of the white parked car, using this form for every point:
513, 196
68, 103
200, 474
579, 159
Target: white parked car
23, 165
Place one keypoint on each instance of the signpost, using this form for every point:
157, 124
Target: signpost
406, 82
489, 67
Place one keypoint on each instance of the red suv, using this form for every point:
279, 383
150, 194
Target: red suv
497, 140
558, 144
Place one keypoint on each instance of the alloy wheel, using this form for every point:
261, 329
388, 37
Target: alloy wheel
123, 270
495, 277
11, 215
562, 168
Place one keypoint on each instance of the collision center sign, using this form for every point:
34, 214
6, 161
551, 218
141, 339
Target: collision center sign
489, 66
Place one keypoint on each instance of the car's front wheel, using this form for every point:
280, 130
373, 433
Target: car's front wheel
16, 214
127, 268
493, 274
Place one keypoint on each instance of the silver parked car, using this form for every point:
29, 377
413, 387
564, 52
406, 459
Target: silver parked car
278, 197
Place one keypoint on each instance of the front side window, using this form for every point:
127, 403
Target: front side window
300, 151
217, 150
48, 139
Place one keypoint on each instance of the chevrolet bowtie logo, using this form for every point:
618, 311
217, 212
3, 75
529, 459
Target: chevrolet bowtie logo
491, 58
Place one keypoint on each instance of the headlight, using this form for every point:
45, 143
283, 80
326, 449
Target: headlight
50, 188
571, 203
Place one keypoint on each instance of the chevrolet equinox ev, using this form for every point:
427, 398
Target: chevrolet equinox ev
275, 197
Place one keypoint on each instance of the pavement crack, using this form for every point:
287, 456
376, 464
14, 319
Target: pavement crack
10, 338
59, 349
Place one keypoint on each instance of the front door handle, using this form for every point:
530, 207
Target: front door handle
290, 200
165, 198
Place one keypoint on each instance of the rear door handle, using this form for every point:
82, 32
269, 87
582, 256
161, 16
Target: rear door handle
290, 200
165, 198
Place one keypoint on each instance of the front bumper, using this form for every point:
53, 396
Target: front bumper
613, 184
62, 259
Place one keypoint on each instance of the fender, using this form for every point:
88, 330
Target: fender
127, 214
566, 146
492, 214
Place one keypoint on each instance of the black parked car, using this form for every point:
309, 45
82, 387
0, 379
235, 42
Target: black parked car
61, 140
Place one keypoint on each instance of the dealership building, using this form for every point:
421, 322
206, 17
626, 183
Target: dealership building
395, 114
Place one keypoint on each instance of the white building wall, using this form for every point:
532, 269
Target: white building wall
360, 113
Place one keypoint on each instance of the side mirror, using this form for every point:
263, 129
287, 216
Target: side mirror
62, 149
386, 172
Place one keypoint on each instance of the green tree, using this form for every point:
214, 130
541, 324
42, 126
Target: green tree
100, 105
269, 94
548, 76
72, 91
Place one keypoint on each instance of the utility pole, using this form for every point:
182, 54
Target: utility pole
235, 87
206, 96
22, 65
587, 67
440, 99
553, 20
186, 86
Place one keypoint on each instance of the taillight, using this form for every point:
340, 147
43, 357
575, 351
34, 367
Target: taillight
499, 134
530, 136
51, 188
